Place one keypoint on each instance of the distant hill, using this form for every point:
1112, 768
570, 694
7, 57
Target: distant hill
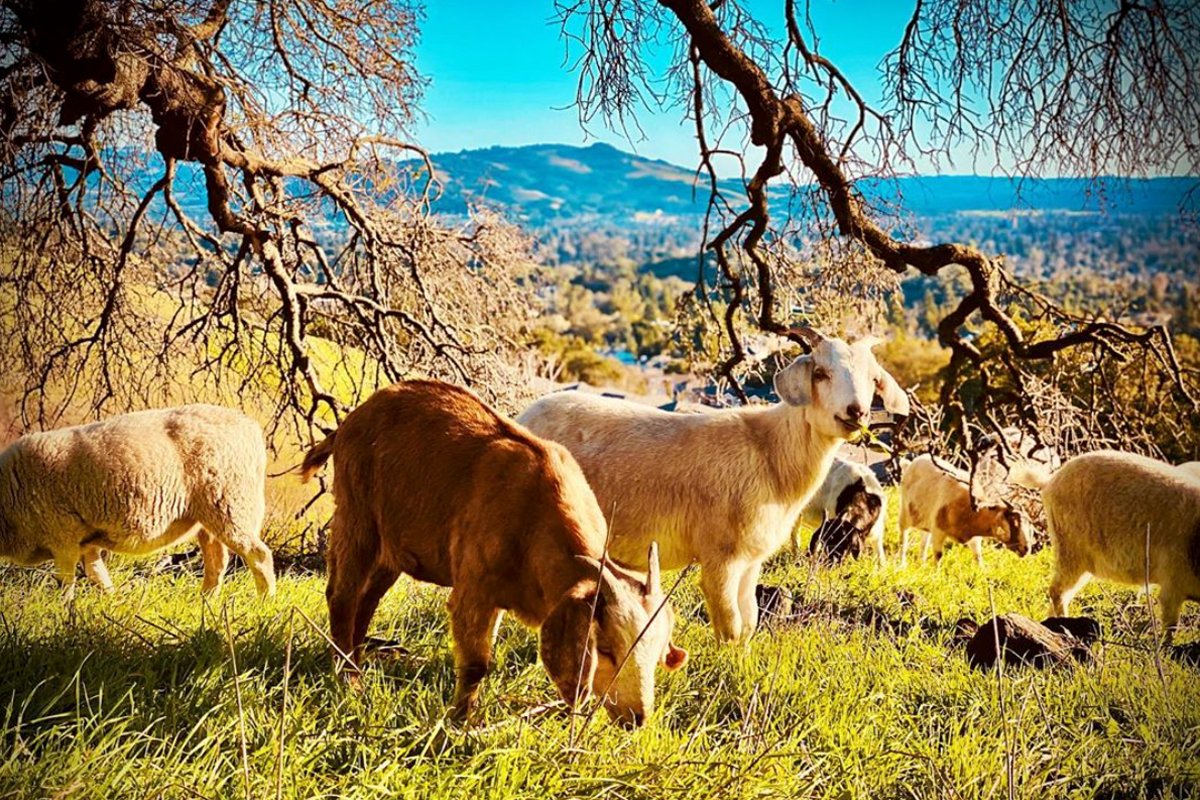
544, 183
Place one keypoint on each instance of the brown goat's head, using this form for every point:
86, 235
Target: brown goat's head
1011, 529
606, 638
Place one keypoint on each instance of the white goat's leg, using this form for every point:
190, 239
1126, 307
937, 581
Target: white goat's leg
720, 582
95, 568
216, 560
255, 554
904, 547
748, 599
496, 627
939, 546
1064, 585
64, 563
1170, 600
926, 543
976, 545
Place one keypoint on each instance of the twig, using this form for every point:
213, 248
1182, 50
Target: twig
237, 690
287, 672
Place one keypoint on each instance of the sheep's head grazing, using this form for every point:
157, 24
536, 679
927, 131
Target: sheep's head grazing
840, 381
843, 535
620, 645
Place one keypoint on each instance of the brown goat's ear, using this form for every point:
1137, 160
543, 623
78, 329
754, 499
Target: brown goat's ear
675, 657
568, 645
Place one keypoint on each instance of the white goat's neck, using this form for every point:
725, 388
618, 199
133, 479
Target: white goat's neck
798, 455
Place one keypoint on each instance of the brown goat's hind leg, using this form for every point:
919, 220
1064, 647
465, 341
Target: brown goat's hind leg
380, 581
471, 624
342, 593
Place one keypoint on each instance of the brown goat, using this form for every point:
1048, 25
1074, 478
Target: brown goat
936, 497
431, 482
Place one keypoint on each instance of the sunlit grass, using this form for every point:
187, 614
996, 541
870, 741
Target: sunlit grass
135, 695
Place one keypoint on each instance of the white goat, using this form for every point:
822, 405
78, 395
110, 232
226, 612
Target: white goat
935, 497
1191, 467
134, 484
1124, 518
721, 489
850, 508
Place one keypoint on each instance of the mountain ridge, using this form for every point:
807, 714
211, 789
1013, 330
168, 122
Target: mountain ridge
545, 183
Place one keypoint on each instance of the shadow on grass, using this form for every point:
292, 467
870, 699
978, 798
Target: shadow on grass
170, 678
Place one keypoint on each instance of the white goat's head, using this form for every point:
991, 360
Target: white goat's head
621, 642
839, 381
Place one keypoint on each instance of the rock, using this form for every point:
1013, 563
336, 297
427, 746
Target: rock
1188, 654
964, 630
1023, 641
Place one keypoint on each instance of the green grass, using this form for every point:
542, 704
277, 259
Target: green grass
135, 694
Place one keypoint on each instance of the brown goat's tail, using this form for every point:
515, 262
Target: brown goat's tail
315, 458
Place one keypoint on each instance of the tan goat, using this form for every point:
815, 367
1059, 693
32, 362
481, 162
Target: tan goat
936, 497
431, 482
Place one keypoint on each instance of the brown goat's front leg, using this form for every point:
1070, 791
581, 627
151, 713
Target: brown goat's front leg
472, 621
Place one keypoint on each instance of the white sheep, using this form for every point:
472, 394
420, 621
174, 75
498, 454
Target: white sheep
1125, 518
134, 484
851, 506
936, 497
723, 489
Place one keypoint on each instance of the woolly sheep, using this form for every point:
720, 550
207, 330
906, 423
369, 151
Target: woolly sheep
935, 497
431, 482
134, 484
723, 489
850, 510
1124, 518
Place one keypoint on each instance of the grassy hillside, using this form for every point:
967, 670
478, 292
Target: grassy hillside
137, 695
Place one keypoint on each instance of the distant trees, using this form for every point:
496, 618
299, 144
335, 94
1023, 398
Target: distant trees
1028, 88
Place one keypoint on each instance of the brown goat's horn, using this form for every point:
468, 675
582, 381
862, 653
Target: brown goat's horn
653, 573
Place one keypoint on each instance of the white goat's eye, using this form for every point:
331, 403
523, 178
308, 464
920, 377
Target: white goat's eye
820, 374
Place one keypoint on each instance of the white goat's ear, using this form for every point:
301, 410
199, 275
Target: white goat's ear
869, 342
894, 398
793, 383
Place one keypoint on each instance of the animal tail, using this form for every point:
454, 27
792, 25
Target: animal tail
1029, 475
315, 458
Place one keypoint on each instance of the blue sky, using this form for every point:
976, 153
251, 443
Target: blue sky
499, 75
